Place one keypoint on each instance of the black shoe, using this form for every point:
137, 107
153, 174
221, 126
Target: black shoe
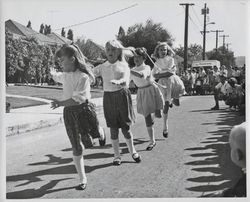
136, 157
150, 146
117, 161
81, 186
165, 134
102, 142
215, 108
170, 105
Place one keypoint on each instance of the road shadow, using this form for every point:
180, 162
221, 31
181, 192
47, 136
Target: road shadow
37, 193
214, 166
53, 160
37, 176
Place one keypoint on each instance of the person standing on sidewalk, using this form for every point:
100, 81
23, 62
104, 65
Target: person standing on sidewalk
149, 97
79, 114
164, 70
117, 101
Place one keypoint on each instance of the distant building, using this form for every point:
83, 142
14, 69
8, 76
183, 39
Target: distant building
59, 39
240, 61
18, 30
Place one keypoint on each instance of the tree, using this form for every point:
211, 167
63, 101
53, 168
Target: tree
91, 50
26, 59
70, 34
41, 29
63, 32
49, 30
121, 33
145, 35
194, 52
225, 56
45, 29
29, 25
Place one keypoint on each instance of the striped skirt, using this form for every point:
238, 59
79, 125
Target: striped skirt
82, 125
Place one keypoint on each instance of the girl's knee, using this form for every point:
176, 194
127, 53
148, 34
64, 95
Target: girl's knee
166, 107
114, 133
77, 151
127, 133
149, 121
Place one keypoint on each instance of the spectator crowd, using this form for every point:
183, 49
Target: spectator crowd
225, 83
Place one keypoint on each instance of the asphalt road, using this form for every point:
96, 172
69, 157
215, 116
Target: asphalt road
194, 161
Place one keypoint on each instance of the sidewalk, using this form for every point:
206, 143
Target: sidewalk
27, 119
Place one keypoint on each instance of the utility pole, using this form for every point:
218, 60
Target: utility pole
227, 44
224, 39
186, 33
217, 31
204, 12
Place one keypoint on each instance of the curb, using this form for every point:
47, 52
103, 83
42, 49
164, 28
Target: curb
28, 127
53, 87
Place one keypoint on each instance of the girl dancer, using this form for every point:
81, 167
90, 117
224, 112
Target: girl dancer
79, 114
149, 96
117, 102
164, 70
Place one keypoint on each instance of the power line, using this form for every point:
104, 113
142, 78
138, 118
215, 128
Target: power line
194, 24
88, 21
196, 16
103, 16
191, 19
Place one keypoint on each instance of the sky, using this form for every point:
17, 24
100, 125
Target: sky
228, 15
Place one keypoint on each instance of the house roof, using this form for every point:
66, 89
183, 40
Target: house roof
59, 39
21, 30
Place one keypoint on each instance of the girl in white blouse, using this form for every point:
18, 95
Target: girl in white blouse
164, 70
117, 102
149, 97
79, 114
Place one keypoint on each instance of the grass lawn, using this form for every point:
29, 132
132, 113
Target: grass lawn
46, 93
22, 102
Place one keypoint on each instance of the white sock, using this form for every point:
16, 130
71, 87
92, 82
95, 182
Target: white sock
79, 164
101, 131
130, 145
115, 145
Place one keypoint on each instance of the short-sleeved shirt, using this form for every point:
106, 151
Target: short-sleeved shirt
165, 64
76, 85
118, 71
236, 90
224, 88
146, 71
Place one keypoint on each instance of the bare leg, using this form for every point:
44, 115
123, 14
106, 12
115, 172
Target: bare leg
151, 134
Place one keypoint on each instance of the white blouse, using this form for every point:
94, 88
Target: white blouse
163, 65
76, 85
146, 79
118, 71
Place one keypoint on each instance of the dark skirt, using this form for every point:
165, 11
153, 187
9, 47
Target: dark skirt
118, 109
82, 125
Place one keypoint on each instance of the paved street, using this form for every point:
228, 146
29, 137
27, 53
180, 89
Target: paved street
192, 162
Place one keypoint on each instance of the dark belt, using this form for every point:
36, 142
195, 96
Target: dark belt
145, 86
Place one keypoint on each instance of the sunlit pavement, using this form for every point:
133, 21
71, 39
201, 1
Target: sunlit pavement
192, 162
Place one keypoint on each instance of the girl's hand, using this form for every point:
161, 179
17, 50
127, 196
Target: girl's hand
119, 83
115, 82
55, 104
52, 70
137, 74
